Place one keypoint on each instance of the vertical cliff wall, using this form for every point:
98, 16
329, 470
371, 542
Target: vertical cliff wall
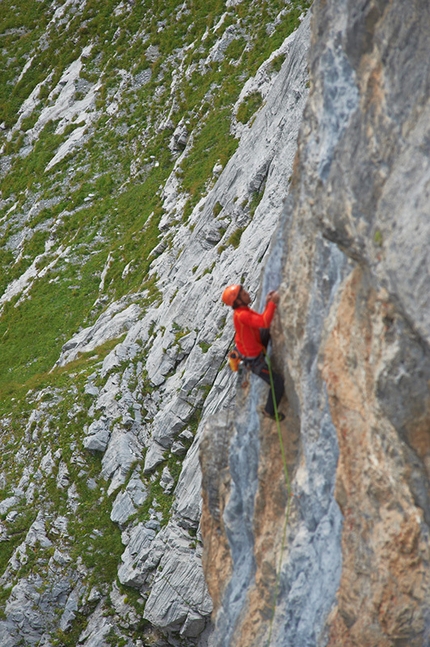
352, 339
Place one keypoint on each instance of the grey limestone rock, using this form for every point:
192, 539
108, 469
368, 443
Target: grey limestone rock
117, 319
188, 490
122, 508
167, 481
127, 501
379, 216
63, 477
352, 341
217, 52
97, 629
97, 436
122, 452
180, 576
71, 607
8, 503
139, 548
178, 448
179, 137
155, 455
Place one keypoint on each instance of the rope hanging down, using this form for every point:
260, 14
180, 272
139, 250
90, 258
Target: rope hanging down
289, 493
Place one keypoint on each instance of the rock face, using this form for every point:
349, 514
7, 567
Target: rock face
352, 339
144, 500
166, 564
382, 491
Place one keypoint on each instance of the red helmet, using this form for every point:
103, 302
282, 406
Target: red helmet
230, 294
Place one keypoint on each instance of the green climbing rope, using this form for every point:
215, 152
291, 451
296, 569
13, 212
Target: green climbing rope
288, 508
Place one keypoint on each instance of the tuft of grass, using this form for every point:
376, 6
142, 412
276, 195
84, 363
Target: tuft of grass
234, 238
249, 107
204, 346
255, 200
378, 238
217, 209
277, 62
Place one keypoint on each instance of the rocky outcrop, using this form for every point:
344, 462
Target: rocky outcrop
166, 564
352, 341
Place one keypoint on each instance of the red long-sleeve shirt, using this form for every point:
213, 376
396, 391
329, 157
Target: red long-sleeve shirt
247, 324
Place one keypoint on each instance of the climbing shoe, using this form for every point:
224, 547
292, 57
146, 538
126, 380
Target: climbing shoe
280, 417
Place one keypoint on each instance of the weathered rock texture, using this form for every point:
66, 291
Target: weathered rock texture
381, 483
316, 533
352, 339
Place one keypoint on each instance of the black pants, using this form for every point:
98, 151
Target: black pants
259, 367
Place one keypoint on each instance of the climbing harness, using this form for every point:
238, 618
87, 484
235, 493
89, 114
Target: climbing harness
238, 364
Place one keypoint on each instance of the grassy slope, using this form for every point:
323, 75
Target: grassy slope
113, 221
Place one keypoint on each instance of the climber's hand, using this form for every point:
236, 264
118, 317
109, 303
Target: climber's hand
273, 296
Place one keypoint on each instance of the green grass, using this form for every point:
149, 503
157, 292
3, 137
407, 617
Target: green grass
26, 171
33, 333
16, 536
249, 107
213, 143
234, 238
277, 62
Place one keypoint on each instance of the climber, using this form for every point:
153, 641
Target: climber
251, 340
